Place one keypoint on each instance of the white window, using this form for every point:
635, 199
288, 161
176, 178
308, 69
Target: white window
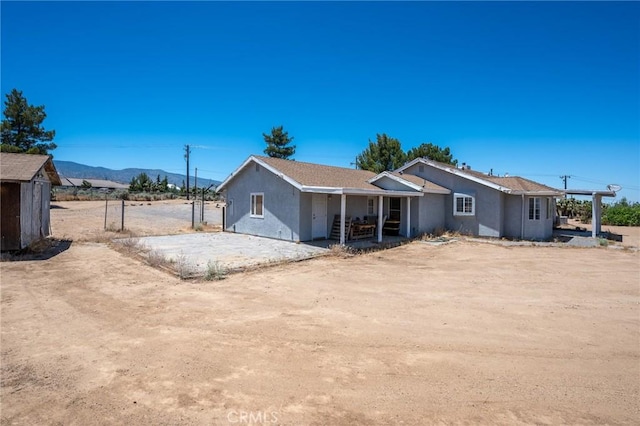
549, 208
534, 208
257, 205
371, 206
464, 205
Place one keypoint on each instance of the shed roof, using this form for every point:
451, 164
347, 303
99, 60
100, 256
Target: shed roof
24, 167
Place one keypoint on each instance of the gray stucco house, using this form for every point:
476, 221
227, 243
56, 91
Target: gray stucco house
300, 201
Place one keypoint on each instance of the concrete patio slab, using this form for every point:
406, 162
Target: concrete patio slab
231, 251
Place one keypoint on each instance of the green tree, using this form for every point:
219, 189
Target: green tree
22, 129
141, 183
384, 154
85, 184
432, 152
278, 144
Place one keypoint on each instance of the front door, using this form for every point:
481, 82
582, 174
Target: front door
10, 215
319, 216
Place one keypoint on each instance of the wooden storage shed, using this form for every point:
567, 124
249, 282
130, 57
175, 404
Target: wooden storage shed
25, 194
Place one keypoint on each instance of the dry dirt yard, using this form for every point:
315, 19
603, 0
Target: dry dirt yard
462, 333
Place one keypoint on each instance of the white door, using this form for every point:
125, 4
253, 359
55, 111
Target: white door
319, 216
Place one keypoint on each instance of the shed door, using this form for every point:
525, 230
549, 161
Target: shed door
319, 216
10, 215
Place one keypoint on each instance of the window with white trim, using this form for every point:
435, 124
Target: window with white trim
371, 206
464, 205
534, 208
549, 208
257, 204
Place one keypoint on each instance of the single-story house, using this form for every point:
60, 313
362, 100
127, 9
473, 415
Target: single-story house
300, 201
99, 184
25, 193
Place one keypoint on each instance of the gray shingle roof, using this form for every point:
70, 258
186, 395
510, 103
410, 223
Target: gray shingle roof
416, 180
513, 183
311, 174
23, 167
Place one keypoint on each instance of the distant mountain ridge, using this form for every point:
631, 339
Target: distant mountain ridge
82, 171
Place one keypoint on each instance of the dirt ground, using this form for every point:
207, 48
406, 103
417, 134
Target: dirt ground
461, 333
85, 220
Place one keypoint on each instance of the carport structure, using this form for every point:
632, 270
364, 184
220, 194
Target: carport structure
596, 206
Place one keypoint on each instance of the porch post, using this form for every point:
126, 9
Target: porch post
380, 222
596, 220
408, 217
343, 213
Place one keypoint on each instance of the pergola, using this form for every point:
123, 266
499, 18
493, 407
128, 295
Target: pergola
596, 206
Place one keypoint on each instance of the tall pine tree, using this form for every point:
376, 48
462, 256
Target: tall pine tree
22, 130
278, 144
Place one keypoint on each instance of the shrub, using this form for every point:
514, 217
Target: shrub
622, 213
215, 271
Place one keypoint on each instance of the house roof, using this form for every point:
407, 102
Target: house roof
311, 177
415, 182
507, 184
24, 167
311, 174
95, 183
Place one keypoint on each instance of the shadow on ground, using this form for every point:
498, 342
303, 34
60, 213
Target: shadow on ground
43, 250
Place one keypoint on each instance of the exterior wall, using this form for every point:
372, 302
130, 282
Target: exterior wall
513, 216
487, 220
430, 211
281, 205
306, 211
390, 184
356, 207
541, 229
34, 210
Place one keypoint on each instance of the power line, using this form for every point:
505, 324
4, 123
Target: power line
564, 178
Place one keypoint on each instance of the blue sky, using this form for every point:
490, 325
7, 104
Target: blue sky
532, 89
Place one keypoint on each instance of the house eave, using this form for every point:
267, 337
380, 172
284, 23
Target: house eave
359, 191
536, 193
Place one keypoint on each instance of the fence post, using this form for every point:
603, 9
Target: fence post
202, 209
106, 206
122, 221
193, 214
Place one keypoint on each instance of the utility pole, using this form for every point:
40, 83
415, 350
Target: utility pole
564, 178
186, 155
355, 163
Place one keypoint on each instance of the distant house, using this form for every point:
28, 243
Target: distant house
25, 191
300, 201
95, 183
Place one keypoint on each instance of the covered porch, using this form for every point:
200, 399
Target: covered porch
361, 217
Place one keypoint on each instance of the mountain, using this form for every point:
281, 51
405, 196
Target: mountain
75, 170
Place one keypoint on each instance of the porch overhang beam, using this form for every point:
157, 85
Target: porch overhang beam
357, 191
